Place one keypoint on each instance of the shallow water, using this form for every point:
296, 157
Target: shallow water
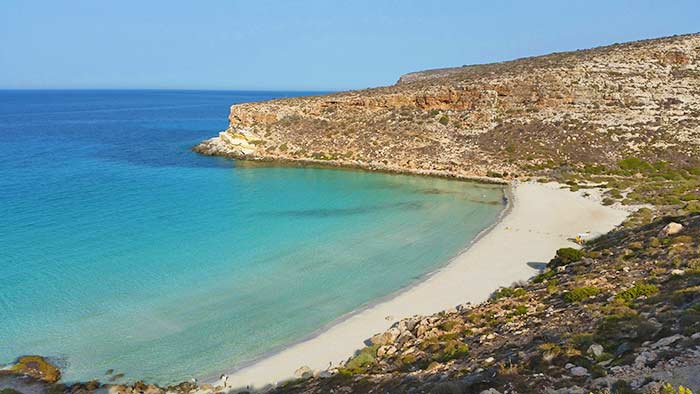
122, 249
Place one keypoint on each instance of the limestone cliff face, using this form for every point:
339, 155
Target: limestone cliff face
592, 106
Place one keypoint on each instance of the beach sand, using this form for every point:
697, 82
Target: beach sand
540, 220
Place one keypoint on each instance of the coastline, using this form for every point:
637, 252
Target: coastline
537, 220
210, 148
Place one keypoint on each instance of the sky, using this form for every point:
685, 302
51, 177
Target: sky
300, 45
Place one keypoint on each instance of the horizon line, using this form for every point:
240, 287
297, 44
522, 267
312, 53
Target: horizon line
179, 89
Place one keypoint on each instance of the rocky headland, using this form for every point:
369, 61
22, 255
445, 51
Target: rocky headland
593, 107
619, 315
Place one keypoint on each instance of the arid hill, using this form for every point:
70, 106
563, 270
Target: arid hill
594, 106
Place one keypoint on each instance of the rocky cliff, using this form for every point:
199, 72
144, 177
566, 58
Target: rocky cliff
593, 106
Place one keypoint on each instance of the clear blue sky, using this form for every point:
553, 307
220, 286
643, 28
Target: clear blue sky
299, 45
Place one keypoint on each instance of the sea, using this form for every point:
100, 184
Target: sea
123, 250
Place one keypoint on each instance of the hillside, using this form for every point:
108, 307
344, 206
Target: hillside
593, 106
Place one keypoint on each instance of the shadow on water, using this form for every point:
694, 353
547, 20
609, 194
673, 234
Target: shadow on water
326, 212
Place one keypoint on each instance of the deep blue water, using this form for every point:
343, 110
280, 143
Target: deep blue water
122, 249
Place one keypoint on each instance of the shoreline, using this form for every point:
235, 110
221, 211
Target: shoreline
531, 217
205, 148
507, 191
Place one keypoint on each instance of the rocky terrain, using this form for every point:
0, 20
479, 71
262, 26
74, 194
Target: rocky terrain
622, 315
593, 106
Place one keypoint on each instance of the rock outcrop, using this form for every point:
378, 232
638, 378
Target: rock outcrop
593, 106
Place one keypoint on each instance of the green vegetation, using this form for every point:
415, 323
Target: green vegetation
9, 391
581, 293
360, 363
544, 276
508, 292
444, 120
634, 165
452, 350
692, 206
448, 325
636, 291
520, 310
581, 341
622, 387
565, 256
625, 326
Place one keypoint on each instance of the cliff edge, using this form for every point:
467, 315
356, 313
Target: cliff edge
594, 106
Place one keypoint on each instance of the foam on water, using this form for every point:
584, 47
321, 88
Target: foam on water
121, 249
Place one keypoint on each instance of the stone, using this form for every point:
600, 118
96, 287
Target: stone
421, 330
672, 228
595, 350
677, 272
490, 391
463, 307
666, 341
404, 338
695, 336
625, 347
391, 351
644, 358
303, 372
489, 360
386, 337
579, 371
407, 324
37, 367
568, 390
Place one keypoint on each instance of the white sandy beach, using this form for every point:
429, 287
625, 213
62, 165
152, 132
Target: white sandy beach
541, 219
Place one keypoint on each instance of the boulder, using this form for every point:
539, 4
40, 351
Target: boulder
381, 351
386, 338
579, 371
407, 324
644, 358
666, 341
404, 338
37, 367
303, 372
595, 350
568, 390
672, 228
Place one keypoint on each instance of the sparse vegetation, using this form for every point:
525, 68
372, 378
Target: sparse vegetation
638, 290
565, 256
581, 293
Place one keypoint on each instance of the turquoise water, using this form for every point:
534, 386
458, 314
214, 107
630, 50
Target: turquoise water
121, 249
